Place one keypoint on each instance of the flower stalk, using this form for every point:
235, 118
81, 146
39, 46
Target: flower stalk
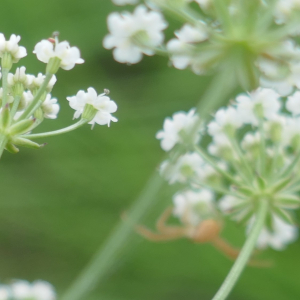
36, 100
245, 254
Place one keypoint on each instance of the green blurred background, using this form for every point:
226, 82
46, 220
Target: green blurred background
60, 203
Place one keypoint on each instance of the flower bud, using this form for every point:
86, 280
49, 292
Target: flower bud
21, 127
11, 148
27, 143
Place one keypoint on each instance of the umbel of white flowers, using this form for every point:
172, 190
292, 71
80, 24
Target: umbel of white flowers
253, 156
26, 99
258, 39
22, 289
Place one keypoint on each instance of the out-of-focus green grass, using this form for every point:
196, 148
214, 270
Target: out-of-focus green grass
59, 204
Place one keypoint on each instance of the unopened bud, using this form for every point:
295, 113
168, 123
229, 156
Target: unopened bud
11, 148
27, 143
21, 127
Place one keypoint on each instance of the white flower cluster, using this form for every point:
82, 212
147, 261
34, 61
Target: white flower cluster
253, 155
127, 31
203, 42
26, 100
23, 290
178, 130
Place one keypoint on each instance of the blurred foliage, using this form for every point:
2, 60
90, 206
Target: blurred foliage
60, 203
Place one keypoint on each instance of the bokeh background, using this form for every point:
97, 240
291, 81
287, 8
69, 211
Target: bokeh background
59, 204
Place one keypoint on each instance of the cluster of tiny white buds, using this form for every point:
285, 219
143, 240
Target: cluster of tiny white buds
12, 47
37, 81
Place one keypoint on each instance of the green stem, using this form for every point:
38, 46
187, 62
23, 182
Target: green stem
220, 88
249, 176
15, 106
3, 142
262, 147
245, 254
4, 86
212, 163
289, 169
218, 189
102, 262
56, 132
28, 111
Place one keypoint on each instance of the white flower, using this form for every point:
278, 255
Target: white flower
101, 103
148, 25
293, 103
220, 143
281, 234
50, 107
42, 290
188, 166
193, 206
284, 8
4, 292
38, 290
37, 81
224, 118
69, 56
21, 289
264, 102
291, 132
17, 52
124, 2
19, 76
250, 140
181, 46
285, 85
176, 130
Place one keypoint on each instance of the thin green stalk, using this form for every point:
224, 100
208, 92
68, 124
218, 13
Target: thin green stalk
56, 132
36, 99
288, 170
237, 149
213, 164
220, 88
262, 148
3, 142
218, 189
4, 86
102, 262
15, 106
245, 254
